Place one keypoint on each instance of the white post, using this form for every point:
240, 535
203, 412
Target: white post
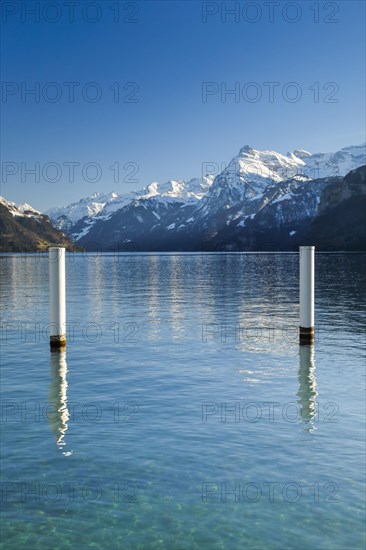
306, 294
57, 297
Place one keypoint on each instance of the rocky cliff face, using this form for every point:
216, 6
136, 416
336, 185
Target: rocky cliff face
340, 223
329, 213
353, 185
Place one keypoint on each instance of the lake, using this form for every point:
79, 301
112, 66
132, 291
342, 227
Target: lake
184, 414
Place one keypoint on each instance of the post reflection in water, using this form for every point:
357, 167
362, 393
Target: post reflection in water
307, 393
176, 296
58, 414
152, 297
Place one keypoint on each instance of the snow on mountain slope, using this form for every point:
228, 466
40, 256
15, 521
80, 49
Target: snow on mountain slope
100, 206
257, 168
245, 180
264, 164
189, 192
154, 197
24, 229
322, 165
65, 217
21, 210
249, 182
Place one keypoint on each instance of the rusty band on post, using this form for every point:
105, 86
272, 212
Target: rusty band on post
58, 342
307, 334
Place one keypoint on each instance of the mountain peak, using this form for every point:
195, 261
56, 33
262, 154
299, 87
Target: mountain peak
19, 209
247, 149
27, 208
300, 153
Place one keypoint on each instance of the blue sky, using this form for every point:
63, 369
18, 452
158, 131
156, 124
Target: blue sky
167, 51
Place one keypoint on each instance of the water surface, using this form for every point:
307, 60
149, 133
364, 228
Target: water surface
184, 414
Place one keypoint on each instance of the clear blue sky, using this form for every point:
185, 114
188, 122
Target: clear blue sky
169, 52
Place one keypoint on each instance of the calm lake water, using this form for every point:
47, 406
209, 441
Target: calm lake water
184, 414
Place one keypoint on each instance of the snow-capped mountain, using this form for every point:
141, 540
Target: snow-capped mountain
200, 210
67, 216
323, 165
177, 191
24, 229
78, 218
248, 173
20, 210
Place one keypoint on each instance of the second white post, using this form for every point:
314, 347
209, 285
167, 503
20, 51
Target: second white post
306, 331
57, 297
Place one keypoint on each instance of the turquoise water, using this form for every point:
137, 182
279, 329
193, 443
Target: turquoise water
184, 414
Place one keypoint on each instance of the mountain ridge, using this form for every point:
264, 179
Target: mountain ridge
253, 167
252, 182
260, 199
